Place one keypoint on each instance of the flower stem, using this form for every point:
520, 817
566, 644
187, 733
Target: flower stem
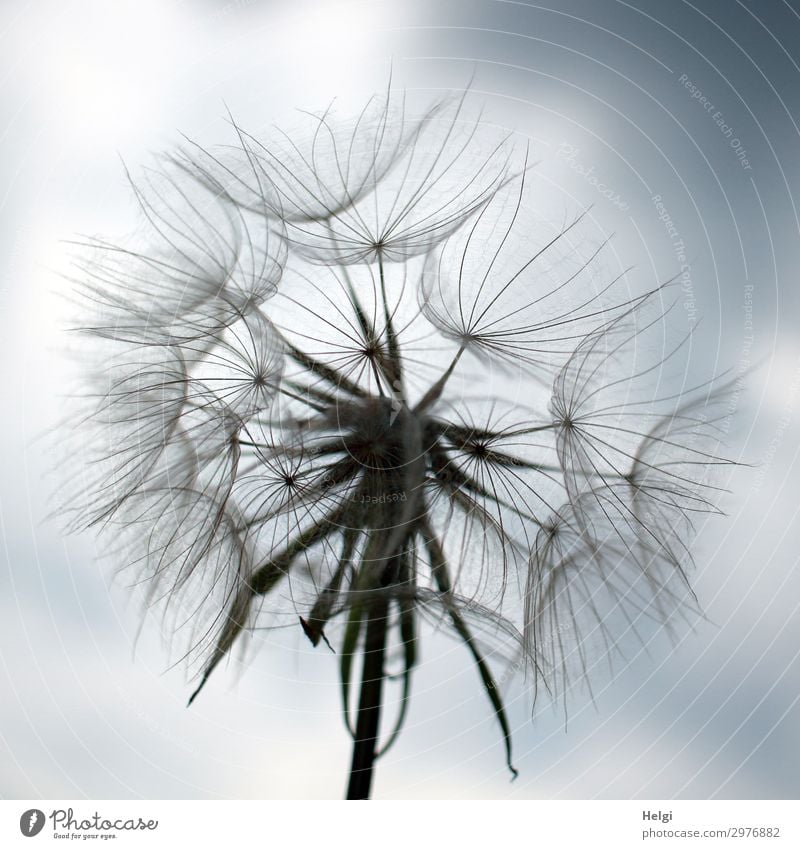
370, 702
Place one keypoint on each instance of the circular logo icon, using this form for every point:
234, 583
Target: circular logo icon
31, 822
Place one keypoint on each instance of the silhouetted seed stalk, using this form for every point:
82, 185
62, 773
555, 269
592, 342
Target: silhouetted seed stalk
352, 378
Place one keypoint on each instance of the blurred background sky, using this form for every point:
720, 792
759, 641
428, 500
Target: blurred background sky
607, 92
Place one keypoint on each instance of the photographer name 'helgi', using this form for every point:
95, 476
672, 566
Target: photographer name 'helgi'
660, 816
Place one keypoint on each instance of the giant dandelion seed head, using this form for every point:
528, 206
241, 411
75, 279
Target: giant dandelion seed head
350, 375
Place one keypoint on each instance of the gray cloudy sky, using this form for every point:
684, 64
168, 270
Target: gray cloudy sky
677, 121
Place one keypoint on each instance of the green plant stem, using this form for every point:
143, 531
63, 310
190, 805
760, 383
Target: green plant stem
370, 701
